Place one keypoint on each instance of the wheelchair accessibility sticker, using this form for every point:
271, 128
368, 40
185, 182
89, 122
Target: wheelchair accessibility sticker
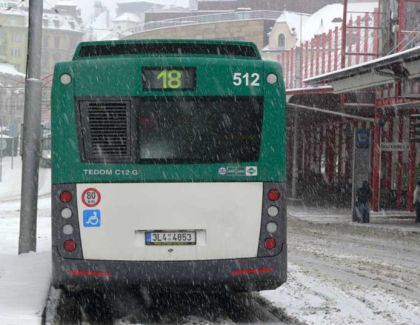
91, 218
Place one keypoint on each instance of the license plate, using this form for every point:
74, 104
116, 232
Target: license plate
170, 237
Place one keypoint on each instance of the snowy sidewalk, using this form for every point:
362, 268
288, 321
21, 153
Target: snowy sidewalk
24, 279
401, 221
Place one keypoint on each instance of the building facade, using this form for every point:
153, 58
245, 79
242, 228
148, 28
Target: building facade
13, 38
62, 32
228, 27
291, 5
11, 95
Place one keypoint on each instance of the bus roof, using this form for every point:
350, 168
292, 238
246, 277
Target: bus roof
167, 48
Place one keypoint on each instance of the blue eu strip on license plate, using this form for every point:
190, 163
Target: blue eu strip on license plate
170, 237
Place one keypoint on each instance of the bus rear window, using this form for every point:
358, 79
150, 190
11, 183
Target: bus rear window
199, 129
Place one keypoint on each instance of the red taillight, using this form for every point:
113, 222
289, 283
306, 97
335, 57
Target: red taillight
270, 243
273, 195
66, 196
251, 271
89, 273
69, 245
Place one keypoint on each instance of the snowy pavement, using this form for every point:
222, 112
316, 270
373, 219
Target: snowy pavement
24, 279
344, 273
387, 220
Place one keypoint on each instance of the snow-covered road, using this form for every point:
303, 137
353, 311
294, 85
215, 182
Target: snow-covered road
341, 273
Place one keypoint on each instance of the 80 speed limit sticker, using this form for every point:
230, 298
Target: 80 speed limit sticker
91, 197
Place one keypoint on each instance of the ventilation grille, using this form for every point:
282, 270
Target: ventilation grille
106, 130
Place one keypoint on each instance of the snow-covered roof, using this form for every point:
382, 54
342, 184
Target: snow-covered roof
132, 1
127, 17
6, 68
13, 12
66, 3
323, 19
60, 21
100, 27
295, 20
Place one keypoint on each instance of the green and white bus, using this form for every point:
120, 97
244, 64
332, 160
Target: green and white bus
168, 166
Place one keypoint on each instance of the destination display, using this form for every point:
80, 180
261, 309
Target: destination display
168, 78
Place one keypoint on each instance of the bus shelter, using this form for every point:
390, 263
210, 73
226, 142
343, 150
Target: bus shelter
381, 95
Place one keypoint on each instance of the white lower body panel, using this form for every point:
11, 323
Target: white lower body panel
226, 217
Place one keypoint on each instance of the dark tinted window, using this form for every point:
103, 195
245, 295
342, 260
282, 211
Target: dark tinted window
167, 48
199, 129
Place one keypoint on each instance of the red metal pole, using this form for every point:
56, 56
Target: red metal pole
329, 50
411, 165
389, 138
358, 37
336, 48
316, 149
310, 148
322, 52
317, 42
321, 147
292, 68
340, 149
306, 153
401, 25
326, 152
350, 45
288, 152
366, 38
376, 32
349, 153
312, 58
306, 58
330, 153
344, 34
376, 154
400, 159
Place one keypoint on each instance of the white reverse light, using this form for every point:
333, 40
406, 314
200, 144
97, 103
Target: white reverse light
66, 213
65, 79
273, 211
271, 78
271, 227
67, 229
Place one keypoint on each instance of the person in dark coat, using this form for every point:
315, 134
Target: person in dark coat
364, 194
416, 201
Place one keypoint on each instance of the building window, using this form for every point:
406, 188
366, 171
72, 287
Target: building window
282, 41
46, 41
56, 42
15, 52
17, 37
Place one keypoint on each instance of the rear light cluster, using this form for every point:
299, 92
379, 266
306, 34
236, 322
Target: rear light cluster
273, 195
272, 230
67, 229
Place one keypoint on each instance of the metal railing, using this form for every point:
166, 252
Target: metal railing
205, 19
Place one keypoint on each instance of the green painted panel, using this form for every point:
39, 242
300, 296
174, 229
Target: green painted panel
121, 77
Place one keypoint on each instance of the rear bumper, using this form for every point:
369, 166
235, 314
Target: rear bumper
237, 274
